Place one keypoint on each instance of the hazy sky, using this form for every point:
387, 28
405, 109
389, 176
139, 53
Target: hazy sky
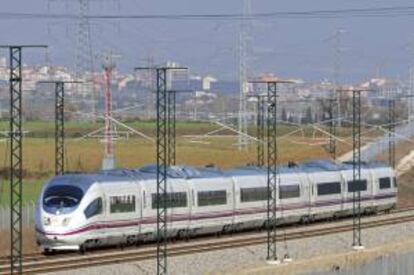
286, 47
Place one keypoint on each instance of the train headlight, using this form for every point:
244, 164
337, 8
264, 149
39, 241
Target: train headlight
46, 221
65, 221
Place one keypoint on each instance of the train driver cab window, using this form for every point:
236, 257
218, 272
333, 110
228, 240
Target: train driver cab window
395, 182
62, 196
94, 208
289, 191
385, 183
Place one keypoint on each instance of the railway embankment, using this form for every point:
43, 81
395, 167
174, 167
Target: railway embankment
389, 258
323, 253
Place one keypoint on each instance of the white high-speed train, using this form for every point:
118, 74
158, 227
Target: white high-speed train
77, 211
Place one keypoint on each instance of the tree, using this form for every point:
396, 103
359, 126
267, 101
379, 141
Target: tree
284, 115
308, 115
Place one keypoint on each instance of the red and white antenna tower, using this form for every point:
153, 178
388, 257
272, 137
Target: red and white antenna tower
109, 159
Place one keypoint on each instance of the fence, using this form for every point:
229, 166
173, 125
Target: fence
28, 214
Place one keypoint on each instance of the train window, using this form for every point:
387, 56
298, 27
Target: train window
329, 188
385, 183
395, 182
174, 199
61, 196
289, 191
217, 197
94, 208
253, 194
122, 204
358, 185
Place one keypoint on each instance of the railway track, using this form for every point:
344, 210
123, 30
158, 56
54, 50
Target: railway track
37, 263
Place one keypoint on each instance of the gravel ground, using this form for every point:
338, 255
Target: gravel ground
252, 257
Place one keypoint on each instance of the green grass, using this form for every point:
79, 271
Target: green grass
31, 191
86, 155
41, 129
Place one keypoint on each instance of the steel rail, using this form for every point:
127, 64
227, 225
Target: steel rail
52, 264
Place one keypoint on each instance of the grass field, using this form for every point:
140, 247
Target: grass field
85, 155
31, 190
79, 128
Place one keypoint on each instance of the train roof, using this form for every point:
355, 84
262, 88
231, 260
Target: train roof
149, 172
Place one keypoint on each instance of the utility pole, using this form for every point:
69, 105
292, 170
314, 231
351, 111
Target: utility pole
162, 154
109, 158
171, 125
272, 167
356, 166
171, 129
59, 123
272, 170
244, 47
391, 132
260, 127
332, 126
16, 154
337, 71
84, 61
261, 115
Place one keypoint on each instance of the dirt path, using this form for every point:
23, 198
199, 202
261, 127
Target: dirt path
29, 242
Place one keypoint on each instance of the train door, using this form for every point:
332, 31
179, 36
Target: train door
234, 196
191, 203
344, 191
96, 212
141, 205
309, 198
192, 223
372, 183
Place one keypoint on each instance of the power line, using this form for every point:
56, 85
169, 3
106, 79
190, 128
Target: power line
312, 14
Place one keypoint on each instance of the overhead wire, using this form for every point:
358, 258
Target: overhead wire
393, 11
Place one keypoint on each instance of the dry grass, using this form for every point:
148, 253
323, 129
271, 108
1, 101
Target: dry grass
86, 155
29, 242
406, 189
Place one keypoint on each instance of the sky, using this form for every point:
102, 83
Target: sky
301, 47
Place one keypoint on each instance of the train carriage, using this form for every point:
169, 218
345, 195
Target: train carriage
213, 201
293, 197
327, 190
364, 186
120, 206
250, 193
384, 188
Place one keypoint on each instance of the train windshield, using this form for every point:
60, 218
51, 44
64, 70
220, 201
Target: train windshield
60, 197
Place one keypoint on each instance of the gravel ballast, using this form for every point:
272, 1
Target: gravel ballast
252, 258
